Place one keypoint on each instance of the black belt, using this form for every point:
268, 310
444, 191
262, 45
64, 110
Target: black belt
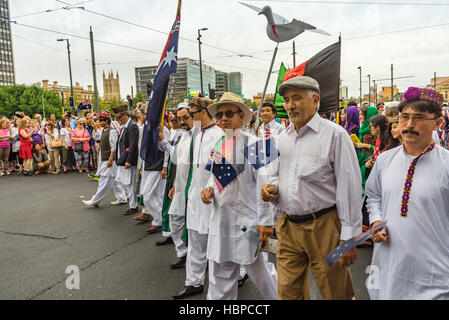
312, 216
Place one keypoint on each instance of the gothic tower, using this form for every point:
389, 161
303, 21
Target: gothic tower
111, 87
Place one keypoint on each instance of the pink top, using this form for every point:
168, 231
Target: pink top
4, 143
77, 134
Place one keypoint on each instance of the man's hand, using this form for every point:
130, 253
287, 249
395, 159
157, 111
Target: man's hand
207, 194
109, 163
164, 173
381, 235
349, 257
264, 233
171, 193
161, 133
128, 165
268, 192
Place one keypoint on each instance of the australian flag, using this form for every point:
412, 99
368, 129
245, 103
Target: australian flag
167, 65
263, 151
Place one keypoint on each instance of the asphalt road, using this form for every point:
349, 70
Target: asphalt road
44, 229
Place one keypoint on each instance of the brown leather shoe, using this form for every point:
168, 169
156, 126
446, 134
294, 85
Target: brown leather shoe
153, 229
144, 217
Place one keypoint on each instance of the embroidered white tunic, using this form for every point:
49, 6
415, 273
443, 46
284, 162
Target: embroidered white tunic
414, 262
198, 213
237, 204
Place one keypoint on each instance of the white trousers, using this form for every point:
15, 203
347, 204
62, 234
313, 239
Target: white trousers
105, 184
176, 230
223, 279
196, 262
131, 189
153, 195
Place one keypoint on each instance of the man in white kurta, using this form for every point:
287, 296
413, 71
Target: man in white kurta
198, 214
411, 256
107, 169
235, 205
180, 157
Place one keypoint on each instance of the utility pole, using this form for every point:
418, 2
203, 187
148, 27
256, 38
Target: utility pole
132, 92
435, 81
70, 68
201, 63
375, 86
294, 55
360, 70
392, 92
369, 89
94, 70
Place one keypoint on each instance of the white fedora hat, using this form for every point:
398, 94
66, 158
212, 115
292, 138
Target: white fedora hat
235, 100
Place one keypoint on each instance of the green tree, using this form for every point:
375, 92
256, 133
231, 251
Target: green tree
252, 105
139, 98
29, 100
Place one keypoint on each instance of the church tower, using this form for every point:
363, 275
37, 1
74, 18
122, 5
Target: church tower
111, 86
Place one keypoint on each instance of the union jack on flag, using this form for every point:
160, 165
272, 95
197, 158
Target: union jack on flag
167, 65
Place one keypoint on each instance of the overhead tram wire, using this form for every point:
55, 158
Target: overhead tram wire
85, 38
165, 33
355, 2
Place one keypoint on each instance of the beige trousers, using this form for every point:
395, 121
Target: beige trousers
301, 245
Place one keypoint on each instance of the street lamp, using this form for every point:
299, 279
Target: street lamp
369, 89
360, 69
201, 65
70, 66
43, 106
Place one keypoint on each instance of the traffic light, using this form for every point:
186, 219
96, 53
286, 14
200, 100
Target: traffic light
212, 94
71, 102
149, 86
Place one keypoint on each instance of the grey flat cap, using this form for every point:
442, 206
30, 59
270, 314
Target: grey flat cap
301, 82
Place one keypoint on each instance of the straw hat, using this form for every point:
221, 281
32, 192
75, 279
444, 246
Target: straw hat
235, 100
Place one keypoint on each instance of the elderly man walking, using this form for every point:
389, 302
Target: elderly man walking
316, 182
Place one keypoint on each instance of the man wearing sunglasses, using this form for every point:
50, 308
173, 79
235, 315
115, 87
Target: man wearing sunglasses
408, 188
235, 202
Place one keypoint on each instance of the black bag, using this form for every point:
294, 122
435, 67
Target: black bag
79, 147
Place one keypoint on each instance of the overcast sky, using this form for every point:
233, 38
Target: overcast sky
418, 53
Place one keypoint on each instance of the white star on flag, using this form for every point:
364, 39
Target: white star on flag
171, 56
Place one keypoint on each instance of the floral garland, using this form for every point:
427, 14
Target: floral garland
409, 181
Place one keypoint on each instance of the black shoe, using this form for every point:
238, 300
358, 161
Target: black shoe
242, 281
164, 241
131, 211
188, 291
180, 263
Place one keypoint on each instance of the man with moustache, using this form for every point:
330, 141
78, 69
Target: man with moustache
317, 184
179, 154
408, 188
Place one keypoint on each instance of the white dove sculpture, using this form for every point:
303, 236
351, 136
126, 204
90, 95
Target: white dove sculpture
280, 29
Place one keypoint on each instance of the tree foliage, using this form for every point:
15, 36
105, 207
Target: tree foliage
28, 99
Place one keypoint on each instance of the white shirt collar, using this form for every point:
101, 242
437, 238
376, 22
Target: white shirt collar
313, 124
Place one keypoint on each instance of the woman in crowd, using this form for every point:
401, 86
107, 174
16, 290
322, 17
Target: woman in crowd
15, 145
366, 138
25, 146
445, 130
41, 161
5, 145
68, 157
352, 120
52, 135
36, 135
391, 113
394, 135
342, 117
81, 145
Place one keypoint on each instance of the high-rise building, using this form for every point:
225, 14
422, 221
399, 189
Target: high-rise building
344, 93
111, 87
235, 83
186, 78
7, 73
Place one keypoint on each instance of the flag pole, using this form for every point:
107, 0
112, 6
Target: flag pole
266, 86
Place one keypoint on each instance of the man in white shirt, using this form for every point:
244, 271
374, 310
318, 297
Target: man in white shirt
197, 213
107, 169
408, 188
269, 124
316, 182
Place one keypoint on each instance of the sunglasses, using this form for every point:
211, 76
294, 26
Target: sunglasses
229, 114
193, 112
